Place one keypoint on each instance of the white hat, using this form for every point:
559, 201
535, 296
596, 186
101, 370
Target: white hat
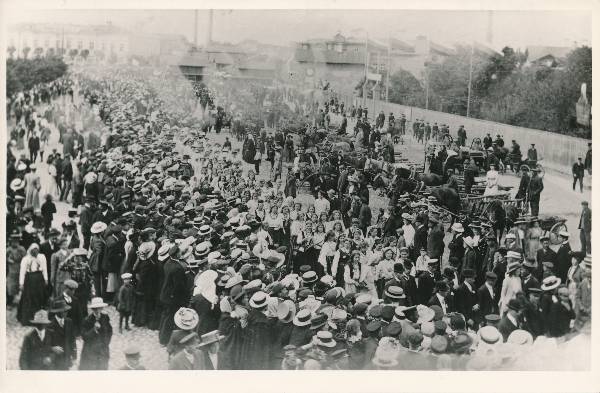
17, 184
97, 302
458, 227
259, 299
163, 252
511, 236
98, 227
549, 283
125, 276
513, 254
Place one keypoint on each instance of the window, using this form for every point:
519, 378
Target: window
339, 48
329, 46
91, 45
112, 47
46, 43
79, 45
68, 44
305, 46
121, 47
35, 43
24, 43
57, 44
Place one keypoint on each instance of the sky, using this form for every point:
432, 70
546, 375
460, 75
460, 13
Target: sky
513, 28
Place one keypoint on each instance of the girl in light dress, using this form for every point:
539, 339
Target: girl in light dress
533, 239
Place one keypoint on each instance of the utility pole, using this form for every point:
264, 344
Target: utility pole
366, 69
470, 80
389, 67
196, 29
426, 86
210, 28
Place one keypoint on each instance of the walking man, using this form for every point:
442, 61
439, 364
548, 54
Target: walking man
536, 186
578, 173
585, 228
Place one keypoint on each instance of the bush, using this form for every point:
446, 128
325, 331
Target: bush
23, 74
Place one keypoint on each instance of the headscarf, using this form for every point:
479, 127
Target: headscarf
205, 285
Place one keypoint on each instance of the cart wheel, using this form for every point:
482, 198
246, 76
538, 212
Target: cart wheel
555, 230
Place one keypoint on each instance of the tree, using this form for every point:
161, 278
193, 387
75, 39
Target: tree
73, 53
85, 53
406, 89
11, 50
26, 51
37, 52
51, 52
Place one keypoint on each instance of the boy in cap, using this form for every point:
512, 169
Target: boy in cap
126, 299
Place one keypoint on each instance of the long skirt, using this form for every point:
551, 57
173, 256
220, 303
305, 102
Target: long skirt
33, 297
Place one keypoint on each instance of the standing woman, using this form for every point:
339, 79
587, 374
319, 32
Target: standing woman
96, 332
275, 223
147, 276
32, 190
326, 263
52, 187
510, 286
342, 259
33, 281
533, 239
206, 302
352, 273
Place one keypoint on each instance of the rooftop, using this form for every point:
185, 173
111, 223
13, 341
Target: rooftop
538, 52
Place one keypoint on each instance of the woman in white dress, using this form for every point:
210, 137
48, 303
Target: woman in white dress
491, 187
52, 186
32, 190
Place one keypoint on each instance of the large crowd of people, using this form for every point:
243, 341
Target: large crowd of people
233, 268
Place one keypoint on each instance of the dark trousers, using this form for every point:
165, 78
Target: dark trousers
86, 240
33, 154
534, 204
167, 323
586, 241
257, 166
66, 189
575, 180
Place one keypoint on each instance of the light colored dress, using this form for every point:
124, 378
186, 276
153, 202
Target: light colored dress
510, 287
533, 241
491, 187
32, 191
52, 187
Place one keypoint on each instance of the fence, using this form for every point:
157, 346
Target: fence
558, 151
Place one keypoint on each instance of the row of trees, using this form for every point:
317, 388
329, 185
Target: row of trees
52, 52
23, 74
505, 88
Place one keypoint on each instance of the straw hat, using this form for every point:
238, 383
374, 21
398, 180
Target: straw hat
40, 318
549, 283
186, 318
97, 302
98, 227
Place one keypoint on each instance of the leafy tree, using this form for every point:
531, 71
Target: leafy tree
406, 89
11, 49
85, 53
26, 51
51, 52
37, 52
73, 53
23, 74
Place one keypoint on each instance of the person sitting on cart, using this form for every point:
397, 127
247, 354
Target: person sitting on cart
487, 141
516, 156
452, 182
532, 156
523, 184
499, 141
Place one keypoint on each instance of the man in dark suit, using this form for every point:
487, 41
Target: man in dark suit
544, 254
465, 299
578, 173
563, 257
585, 228
420, 239
435, 240
527, 277
86, 220
74, 313
486, 296
114, 253
511, 320
404, 281
342, 180
36, 351
173, 294
62, 333
50, 246
425, 282
441, 297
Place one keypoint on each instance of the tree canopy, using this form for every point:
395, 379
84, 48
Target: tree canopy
23, 74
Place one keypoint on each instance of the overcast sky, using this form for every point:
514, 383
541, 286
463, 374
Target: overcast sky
517, 29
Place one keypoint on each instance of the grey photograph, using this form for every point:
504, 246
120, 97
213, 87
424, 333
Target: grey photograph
300, 189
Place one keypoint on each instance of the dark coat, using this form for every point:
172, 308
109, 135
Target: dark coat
63, 337
469, 261
506, 327
85, 219
435, 243
534, 320
174, 291
114, 254
34, 351
420, 239
181, 362
425, 284
301, 335
559, 319
544, 256
532, 282
563, 261
257, 343
98, 247
230, 346
95, 352
47, 249
487, 304
208, 314
464, 300
126, 298
457, 248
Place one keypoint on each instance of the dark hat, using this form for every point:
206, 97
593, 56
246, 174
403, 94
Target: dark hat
59, 306
468, 273
373, 326
393, 329
360, 308
398, 268
375, 311
492, 318
440, 327
439, 344
515, 305
441, 286
318, 321
387, 312
491, 275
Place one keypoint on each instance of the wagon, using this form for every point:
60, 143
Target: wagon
477, 206
552, 226
518, 164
